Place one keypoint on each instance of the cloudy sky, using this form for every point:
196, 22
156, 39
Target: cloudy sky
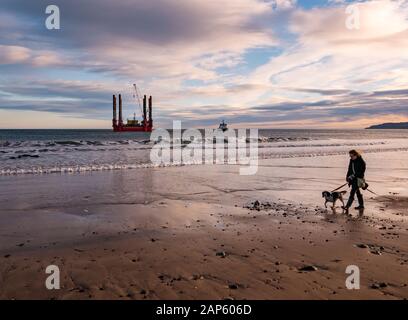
255, 63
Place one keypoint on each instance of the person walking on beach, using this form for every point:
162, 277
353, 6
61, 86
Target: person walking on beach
355, 178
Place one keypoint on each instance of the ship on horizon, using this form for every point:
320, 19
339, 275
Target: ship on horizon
223, 126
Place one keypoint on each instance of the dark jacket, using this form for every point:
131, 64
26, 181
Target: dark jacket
359, 168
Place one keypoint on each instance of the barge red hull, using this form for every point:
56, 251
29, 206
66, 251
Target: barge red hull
132, 129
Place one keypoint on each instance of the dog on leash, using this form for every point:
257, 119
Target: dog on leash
332, 197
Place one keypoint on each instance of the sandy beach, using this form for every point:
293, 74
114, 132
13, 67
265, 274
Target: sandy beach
186, 232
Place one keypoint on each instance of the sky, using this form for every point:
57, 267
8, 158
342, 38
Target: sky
255, 63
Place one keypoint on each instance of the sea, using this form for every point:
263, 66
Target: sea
77, 151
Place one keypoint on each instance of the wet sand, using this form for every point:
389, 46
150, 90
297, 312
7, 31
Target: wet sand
185, 233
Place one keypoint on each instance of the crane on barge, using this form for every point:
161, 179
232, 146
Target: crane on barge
133, 125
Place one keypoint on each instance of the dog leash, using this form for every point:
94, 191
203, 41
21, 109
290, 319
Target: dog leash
366, 190
373, 192
340, 187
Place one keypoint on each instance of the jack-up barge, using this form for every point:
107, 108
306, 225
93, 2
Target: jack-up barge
133, 125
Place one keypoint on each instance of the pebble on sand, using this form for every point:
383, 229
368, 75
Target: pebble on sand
233, 286
309, 268
379, 285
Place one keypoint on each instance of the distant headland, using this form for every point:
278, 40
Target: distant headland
401, 125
